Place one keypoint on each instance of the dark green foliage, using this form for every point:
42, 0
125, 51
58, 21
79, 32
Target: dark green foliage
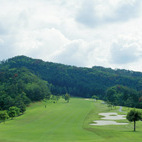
22, 106
123, 96
134, 116
95, 97
37, 91
53, 98
23, 73
13, 111
6, 101
67, 97
3, 116
16, 109
77, 81
18, 87
24, 98
12, 114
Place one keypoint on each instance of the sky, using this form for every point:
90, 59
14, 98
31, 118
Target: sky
82, 33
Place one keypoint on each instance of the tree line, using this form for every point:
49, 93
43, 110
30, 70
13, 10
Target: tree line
18, 88
123, 96
77, 81
26, 79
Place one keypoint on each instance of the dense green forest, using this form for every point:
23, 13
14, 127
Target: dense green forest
30, 79
18, 87
123, 96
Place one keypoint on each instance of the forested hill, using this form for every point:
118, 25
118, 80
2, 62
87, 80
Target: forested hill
77, 81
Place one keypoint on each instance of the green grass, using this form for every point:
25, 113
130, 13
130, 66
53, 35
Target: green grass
66, 122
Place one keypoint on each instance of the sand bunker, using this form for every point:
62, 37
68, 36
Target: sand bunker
112, 116
109, 116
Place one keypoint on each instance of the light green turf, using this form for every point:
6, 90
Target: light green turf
66, 122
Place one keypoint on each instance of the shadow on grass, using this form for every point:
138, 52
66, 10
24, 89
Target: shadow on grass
131, 131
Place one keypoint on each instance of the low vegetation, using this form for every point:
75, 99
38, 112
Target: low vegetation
61, 122
67, 97
30, 82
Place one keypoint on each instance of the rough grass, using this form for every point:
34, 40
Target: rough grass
67, 122
113, 115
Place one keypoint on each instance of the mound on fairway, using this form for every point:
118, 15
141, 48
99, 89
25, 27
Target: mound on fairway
102, 122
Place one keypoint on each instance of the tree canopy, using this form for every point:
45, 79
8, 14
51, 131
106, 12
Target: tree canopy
123, 96
77, 81
134, 116
33, 79
3, 116
67, 97
19, 87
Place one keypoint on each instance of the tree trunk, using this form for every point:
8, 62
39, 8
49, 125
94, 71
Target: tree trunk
134, 126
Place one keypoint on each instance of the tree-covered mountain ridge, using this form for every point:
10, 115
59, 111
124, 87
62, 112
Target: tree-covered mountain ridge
77, 81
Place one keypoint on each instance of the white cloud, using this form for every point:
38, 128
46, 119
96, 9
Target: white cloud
97, 12
82, 53
126, 52
40, 43
53, 30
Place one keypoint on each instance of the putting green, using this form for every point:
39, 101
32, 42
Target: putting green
66, 122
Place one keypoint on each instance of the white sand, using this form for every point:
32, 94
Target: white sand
110, 116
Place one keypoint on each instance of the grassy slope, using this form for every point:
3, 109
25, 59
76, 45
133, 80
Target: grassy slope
65, 122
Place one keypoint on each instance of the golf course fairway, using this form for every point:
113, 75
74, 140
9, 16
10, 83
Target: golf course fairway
67, 122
